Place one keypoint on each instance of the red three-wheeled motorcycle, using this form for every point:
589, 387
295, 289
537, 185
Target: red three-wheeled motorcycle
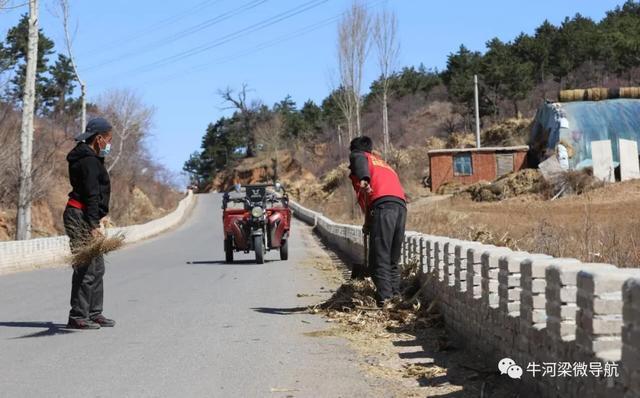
262, 222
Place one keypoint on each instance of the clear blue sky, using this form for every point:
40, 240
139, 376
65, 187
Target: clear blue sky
117, 46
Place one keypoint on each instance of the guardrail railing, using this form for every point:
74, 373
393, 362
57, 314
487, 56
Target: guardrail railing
572, 327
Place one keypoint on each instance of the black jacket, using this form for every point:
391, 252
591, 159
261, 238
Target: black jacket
90, 181
359, 165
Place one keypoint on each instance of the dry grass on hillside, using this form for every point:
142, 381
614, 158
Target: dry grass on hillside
597, 226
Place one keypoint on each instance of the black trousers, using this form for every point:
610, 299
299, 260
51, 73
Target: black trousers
386, 226
87, 289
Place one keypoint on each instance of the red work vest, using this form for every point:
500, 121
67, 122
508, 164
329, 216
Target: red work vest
384, 182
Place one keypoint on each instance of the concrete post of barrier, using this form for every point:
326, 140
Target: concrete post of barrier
631, 337
438, 257
561, 296
423, 259
474, 270
414, 248
490, 262
599, 315
430, 253
533, 285
460, 267
449, 256
509, 276
462, 270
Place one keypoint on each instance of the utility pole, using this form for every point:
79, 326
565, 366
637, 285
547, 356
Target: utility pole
475, 83
23, 225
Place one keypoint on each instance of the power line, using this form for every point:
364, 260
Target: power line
13, 7
177, 36
252, 50
270, 43
280, 39
154, 27
232, 36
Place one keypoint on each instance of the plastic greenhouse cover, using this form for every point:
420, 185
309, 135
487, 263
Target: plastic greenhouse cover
576, 124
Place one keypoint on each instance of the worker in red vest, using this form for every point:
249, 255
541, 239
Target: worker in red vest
383, 202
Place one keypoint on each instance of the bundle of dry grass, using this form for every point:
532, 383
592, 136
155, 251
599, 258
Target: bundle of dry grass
335, 177
580, 181
450, 187
598, 94
351, 295
508, 186
571, 182
461, 140
508, 132
488, 237
84, 252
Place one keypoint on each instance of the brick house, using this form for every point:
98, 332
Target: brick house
470, 165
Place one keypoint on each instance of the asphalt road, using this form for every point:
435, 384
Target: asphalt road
188, 325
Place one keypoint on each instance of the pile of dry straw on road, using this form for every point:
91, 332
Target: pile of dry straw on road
354, 305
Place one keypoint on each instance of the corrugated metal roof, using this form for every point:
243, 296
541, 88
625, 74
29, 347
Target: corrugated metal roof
577, 124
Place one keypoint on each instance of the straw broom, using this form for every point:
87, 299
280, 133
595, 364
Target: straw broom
84, 250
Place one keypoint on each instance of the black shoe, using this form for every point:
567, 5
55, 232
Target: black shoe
104, 322
82, 324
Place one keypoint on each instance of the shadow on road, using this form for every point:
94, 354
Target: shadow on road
452, 366
281, 311
222, 262
51, 329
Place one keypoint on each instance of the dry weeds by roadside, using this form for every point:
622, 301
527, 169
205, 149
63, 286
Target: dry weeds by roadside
405, 342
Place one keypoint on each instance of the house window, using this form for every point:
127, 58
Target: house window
462, 164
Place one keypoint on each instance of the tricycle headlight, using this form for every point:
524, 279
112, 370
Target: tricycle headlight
257, 212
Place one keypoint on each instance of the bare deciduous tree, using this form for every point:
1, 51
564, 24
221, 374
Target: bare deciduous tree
385, 35
131, 120
239, 103
64, 15
269, 135
353, 45
344, 101
9, 149
43, 163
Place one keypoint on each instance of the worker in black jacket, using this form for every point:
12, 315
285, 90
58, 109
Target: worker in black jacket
88, 205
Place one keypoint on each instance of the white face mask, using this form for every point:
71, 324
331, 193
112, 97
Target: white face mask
106, 150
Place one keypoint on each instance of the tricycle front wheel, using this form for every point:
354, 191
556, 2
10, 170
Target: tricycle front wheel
284, 250
228, 250
259, 249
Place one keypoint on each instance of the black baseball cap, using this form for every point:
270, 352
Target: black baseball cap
95, 126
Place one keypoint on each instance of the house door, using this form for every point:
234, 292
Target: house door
504, 163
